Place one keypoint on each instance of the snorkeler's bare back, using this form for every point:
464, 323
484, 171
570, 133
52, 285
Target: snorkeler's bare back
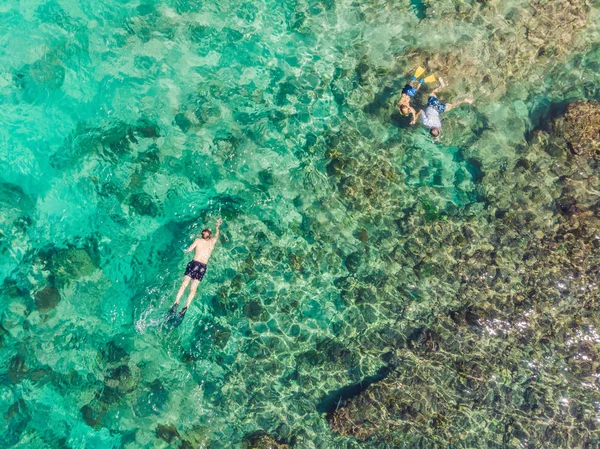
404, 100
203, 249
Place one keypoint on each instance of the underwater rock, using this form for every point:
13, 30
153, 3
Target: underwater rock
580, 128
13, 196
167, 433
266, 178
336, 167
93, 413
48, 71
261, 440
47, 299
146, 129
255, 311
17, 417
113, 142
296, 262
363, 235
109, 395
143, 204
17, 369
69, 264
196, 437
221, 336
113, 353
150, 159
353, 262
226, 143
426, 397
183, 122
121, 378
152, 400
535, 31
16, 409
383, 408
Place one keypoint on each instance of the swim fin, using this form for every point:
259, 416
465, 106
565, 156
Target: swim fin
172, 310
174, 318
420, 70
429, 79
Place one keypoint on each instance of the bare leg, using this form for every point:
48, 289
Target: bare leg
184, 284
193, 289
441, 86
453, 105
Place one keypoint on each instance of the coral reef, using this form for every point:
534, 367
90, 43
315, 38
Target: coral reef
521, 295
580, 128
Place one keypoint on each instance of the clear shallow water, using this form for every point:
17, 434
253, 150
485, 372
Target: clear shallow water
129, 126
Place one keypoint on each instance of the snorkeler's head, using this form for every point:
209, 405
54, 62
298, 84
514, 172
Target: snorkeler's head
206, 234
435, 132
404, 109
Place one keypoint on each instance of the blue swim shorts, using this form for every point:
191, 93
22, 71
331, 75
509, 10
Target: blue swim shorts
409, 90
436, 104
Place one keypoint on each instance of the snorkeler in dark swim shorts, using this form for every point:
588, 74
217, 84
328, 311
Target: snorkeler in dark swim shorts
194, 272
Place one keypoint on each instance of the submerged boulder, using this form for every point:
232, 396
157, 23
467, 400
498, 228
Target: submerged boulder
151, 400
167, 433
48, 71
580, 128
17, 417
197, 436
122, 378
261, 440
69, 264
144, 204
47, 299
17, 369
255, 311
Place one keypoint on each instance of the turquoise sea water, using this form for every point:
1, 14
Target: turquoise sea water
128, 126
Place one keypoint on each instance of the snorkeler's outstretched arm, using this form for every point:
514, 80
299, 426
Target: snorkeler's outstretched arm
217, 226
414, 114
437, 89
192, 246
417, 115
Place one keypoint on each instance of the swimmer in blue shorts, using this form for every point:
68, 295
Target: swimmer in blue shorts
408, 93
431, 115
